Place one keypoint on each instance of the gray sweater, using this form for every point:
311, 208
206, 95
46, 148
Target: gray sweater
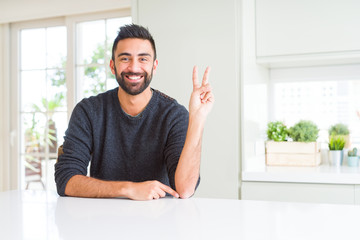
121, 147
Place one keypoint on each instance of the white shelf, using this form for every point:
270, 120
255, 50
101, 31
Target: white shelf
322, 174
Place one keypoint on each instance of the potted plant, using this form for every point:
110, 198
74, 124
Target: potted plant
336, 146
277, 131
302, 151
304, 131
341, 129
353, 159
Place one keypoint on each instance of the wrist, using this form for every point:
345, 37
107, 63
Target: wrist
195, 131
196, 119
123, 189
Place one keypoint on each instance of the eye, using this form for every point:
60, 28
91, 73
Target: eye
143, 59
124, 59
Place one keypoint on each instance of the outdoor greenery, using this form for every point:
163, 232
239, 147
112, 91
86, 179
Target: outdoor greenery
34, 133
277, 131
97, 84
304, 131
337, 142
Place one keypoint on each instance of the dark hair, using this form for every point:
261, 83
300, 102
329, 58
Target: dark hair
133, 31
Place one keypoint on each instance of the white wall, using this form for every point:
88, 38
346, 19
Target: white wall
1, 111
20, 10
202, 32
4, 107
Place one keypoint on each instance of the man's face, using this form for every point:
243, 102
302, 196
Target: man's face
134, 65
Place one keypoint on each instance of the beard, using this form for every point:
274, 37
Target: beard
133, 88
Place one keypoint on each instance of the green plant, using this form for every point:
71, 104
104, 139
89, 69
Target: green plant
50, 105
352, 153
97, 84
304, 131
277, 131
32, 135
37, 136
339, 129
337, 142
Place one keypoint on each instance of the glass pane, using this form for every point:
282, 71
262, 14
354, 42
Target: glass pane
38, 172
113, 25
56, 90
325, 103
33, 49
110, 80
33, 90
33, 172
112, 28
56, 47
111, 84
41, 138
58, 127
91, 81
90, 41
33, 132
43, 104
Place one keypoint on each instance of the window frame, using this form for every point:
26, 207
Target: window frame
70, 23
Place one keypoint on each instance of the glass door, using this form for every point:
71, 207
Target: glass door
45, 81
43, 107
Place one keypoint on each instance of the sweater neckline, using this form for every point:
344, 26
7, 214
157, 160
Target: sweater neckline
142, 114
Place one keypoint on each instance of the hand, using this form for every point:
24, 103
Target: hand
202, 98
150, 190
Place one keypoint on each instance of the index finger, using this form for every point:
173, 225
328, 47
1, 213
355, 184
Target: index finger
206, 76
169, 190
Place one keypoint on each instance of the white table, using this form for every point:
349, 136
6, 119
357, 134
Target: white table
41, 215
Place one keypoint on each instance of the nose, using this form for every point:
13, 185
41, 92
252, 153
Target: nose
133, 66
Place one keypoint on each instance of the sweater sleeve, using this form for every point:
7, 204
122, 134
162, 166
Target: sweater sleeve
77, 148
175, 143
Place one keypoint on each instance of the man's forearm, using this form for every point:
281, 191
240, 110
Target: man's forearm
188, 169
83, 186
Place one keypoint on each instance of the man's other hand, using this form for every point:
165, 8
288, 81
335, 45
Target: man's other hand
149, 190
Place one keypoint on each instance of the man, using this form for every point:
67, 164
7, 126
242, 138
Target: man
142, 144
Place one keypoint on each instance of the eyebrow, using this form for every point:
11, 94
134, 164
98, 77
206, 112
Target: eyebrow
128, 54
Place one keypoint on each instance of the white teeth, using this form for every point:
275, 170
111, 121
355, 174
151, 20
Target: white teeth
134, 78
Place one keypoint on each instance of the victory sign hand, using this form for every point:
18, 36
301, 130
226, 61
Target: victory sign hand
202, 97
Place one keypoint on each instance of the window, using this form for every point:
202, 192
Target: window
42, 97
327, 100
47, 88
94, 41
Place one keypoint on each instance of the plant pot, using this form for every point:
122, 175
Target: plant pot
353, 161
292, 153
52, 131
336, 157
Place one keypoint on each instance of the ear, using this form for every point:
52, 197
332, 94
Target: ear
155, 66
112, 65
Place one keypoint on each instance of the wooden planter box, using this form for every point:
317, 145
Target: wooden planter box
292, 153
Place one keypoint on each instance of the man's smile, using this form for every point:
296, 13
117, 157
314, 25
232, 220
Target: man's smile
134, 77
